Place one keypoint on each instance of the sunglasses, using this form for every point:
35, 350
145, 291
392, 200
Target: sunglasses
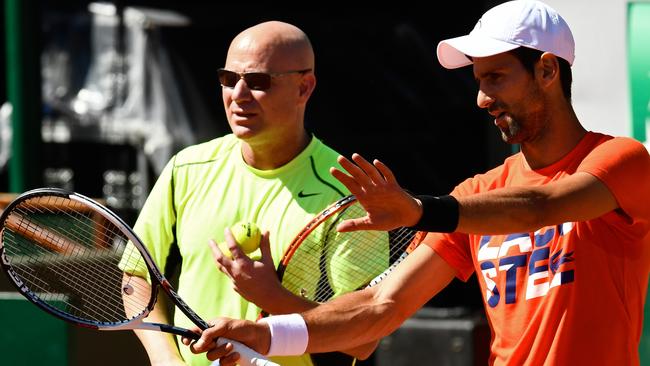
254, 80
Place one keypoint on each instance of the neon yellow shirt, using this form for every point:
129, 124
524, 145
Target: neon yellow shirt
208, 187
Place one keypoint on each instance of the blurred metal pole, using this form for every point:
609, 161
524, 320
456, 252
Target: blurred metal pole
22, 19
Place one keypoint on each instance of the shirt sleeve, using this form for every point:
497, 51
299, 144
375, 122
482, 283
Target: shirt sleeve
157, 219
132, 263
454, 249
623, 165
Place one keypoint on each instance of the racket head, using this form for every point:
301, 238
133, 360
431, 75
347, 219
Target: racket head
322, 263
77, 260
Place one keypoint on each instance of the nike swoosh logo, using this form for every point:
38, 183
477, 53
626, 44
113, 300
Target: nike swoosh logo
302, 194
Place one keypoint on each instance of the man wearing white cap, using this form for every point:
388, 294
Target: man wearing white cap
558, 235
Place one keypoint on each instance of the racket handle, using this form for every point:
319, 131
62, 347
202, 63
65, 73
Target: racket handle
247, 357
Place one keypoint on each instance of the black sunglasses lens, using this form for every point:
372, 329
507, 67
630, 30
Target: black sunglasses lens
258, 80
254, 80
227, 78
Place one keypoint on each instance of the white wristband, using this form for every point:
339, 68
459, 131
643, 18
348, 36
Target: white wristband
289, 336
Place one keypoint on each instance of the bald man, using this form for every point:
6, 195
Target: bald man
270, 171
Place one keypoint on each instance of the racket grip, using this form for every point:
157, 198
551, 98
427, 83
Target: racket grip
247, 357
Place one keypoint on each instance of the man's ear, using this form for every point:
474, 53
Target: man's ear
547, 69
307, 85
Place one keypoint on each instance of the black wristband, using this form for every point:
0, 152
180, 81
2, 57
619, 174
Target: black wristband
439, 214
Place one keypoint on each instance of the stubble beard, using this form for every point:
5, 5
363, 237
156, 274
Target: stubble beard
511, 133
525, 127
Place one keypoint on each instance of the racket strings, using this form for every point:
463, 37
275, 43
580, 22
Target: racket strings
32, 253
67, 255
80, 234
357, 270
328, 263
64, 267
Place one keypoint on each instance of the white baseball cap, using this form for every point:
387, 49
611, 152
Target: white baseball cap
527, 23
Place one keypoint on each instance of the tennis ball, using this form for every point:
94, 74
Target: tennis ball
247, 235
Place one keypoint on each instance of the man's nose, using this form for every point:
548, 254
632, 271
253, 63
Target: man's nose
241, 91
483, 100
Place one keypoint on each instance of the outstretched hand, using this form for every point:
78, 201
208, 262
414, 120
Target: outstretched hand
387, 204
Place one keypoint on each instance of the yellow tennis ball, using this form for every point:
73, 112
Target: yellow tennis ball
247, 235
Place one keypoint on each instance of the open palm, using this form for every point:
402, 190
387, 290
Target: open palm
388, 206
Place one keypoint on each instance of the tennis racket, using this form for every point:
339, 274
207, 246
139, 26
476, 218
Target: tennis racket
321, 263
78, 261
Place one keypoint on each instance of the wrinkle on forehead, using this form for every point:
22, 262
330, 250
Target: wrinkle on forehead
271, 46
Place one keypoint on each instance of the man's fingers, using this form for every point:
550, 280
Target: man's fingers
265, 249
231, 359
347, 181
236, 252
217, 254
202, 345
355, 171
368, 169
221, 261
353, 225
208, 338
385, 171
187, 341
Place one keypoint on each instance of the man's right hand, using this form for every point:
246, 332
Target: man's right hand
387, 204
257, 336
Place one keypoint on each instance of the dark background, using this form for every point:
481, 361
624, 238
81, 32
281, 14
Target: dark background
381, 91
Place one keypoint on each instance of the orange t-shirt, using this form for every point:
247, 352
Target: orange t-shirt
573, 293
